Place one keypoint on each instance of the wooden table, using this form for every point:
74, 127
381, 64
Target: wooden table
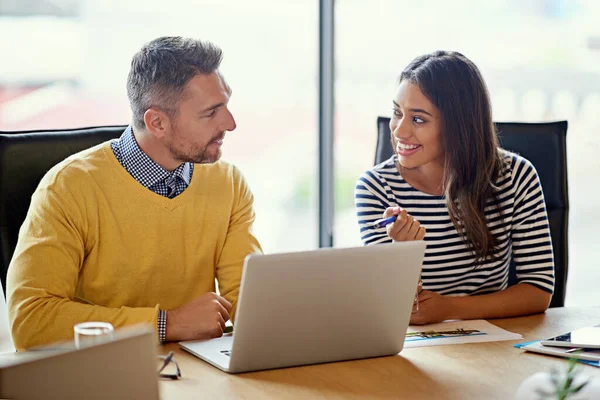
469, 371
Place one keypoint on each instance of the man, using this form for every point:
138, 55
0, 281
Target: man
137, 229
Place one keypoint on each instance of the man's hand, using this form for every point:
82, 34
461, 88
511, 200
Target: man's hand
405, 228
202, 318
433, 308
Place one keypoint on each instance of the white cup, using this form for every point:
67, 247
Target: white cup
90, 333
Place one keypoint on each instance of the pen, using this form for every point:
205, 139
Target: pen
574, 350
419, 286
380, 223
580, 349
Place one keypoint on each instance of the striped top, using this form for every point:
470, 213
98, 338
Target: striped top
449, 266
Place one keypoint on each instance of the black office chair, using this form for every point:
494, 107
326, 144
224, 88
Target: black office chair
544, 144
24, 159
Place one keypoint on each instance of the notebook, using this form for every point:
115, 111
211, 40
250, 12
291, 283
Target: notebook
591, 355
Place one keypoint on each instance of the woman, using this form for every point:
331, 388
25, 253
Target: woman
476, 205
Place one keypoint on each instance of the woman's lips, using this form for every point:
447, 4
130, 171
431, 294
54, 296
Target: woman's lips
407, 150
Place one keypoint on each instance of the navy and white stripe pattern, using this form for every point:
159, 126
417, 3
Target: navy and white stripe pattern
449, 266
151, 175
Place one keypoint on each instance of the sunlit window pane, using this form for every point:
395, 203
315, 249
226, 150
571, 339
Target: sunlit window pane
540, 60
65, 63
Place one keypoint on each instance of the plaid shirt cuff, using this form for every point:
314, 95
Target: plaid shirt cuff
162, 326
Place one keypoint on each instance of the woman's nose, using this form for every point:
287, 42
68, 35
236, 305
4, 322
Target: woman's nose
398, 130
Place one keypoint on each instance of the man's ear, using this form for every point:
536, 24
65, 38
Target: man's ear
157, 122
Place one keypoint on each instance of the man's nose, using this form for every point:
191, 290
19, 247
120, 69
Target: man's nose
231, 125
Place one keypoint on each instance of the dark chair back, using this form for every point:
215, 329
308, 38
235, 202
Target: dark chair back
24, 159
544, 144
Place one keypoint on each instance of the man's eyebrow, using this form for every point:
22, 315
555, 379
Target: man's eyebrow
212, 107
417, 110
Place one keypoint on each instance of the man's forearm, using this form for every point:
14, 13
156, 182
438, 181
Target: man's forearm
42, 321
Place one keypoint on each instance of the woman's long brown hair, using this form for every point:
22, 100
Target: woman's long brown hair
472, 160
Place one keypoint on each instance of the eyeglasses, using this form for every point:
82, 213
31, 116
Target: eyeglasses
166, 361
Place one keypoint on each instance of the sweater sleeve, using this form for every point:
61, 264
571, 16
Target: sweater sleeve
531, 241
371, 198
239, 243
43, 274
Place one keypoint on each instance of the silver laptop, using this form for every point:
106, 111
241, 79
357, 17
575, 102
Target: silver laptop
318, 306
120, 367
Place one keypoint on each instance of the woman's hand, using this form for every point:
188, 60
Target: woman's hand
405, 228
433, 308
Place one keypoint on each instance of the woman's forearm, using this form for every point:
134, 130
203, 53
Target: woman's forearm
517, 300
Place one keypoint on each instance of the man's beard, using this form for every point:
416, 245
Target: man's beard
194, 155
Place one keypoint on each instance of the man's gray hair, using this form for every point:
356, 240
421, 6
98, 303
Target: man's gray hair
162, 68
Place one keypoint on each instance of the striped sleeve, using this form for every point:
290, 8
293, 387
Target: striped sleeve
531, 241
371, 197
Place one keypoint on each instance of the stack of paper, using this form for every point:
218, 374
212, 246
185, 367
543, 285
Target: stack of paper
456, 332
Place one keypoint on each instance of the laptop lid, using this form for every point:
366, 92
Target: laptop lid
123, 367
324, 305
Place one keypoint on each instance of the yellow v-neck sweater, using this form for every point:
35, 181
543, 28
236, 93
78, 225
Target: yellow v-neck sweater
98, 246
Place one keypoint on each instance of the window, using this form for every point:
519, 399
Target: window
70, 70
540, 60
